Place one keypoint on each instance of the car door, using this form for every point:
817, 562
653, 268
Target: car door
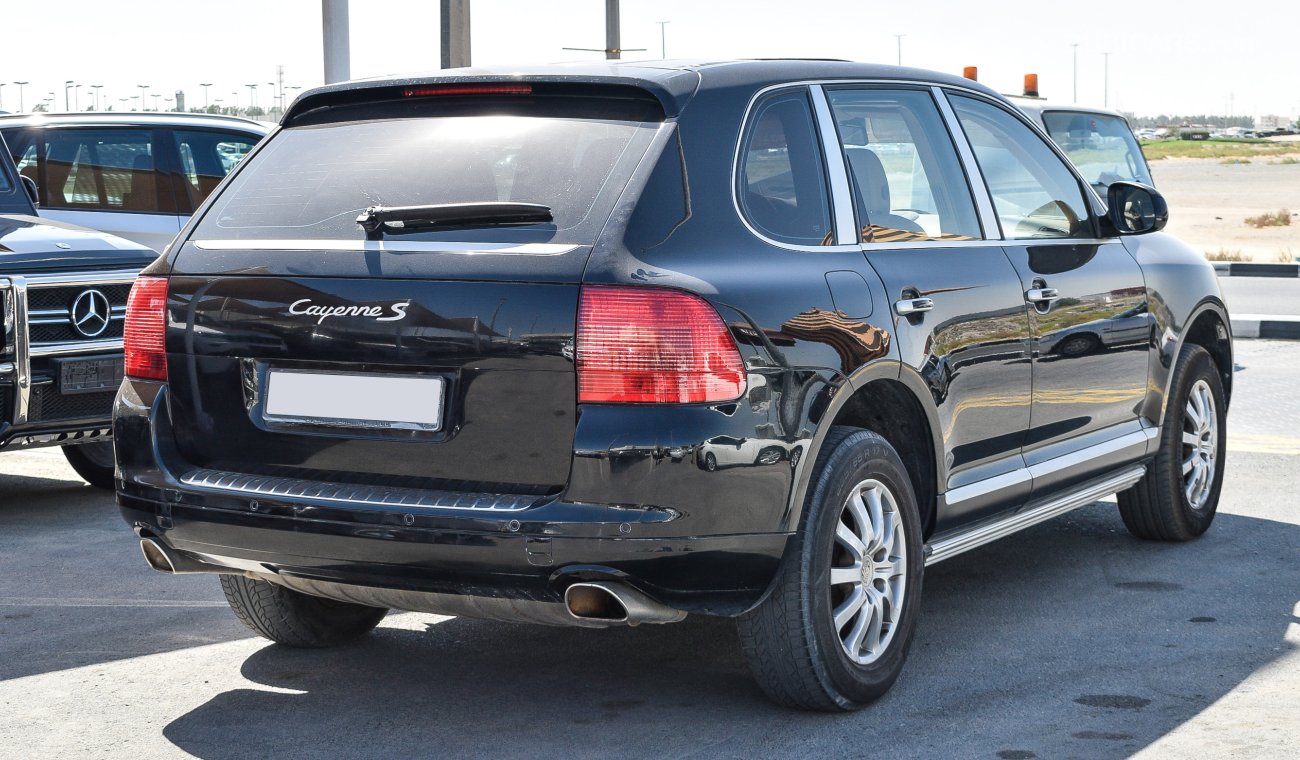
960, 316
1086, 297
106, 178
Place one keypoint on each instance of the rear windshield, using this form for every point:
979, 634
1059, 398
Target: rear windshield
311, 182
1102, 147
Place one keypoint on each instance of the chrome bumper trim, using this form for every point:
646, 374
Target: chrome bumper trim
345, 495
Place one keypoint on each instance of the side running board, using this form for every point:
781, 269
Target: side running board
950, 546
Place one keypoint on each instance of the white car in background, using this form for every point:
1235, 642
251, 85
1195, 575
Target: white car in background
1098, 141
135, 175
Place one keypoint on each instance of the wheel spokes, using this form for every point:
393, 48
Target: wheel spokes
849, 607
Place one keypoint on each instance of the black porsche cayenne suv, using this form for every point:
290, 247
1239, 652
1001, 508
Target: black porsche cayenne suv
612, 345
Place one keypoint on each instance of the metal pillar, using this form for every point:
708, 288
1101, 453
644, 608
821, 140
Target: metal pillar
334, 38
613, 43
455, 33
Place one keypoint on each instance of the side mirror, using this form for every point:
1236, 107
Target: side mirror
29, 185
1136, 209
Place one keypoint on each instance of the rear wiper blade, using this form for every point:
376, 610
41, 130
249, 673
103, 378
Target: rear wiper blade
394, 220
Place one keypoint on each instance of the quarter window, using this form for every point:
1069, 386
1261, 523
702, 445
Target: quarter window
907, 181
782, 179
1034, 193
207, 157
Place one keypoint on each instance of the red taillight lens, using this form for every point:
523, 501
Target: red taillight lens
654, 346
145, 333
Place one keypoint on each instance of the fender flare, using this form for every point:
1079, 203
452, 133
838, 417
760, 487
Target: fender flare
1208, 304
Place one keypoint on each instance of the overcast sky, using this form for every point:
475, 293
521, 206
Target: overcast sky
1185, 57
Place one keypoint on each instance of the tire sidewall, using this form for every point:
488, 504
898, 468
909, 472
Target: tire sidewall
859, 457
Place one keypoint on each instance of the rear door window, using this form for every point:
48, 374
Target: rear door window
102, 170
207, 156
782, 182
311, 182
907, 181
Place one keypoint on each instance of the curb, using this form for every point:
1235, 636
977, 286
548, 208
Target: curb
1276, 327
1253, 269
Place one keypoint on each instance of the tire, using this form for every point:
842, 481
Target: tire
1079, 345
1163, 505
295, 619
93, 462
798, 655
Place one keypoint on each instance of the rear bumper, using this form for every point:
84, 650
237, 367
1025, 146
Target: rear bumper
530, 553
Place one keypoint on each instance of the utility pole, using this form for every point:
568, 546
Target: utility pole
334, 33
20, 95
663, 41
900, 37
1105, 96
1076, 71
613, 44
455, 33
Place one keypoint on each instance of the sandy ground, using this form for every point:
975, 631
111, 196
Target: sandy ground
1209, 202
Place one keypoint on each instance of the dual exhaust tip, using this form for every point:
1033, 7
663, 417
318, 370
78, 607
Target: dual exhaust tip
591, 602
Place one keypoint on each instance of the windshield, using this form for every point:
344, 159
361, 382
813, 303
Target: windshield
311, 183
1103, 147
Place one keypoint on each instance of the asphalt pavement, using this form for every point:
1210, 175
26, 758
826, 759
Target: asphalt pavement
1261, 295
1071, 639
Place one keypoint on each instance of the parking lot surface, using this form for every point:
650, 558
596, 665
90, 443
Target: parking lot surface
1070, 639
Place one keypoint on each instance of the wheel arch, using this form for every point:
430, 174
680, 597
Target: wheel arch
1209, 327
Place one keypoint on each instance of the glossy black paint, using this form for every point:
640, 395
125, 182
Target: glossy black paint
692, 502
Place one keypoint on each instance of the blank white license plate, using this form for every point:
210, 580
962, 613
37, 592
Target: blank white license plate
402, 402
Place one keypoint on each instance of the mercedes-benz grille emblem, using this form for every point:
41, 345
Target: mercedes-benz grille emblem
90, 313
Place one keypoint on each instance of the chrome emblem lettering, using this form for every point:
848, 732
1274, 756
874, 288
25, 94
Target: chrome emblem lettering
305, 307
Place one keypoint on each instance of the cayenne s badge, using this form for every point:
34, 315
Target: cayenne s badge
322, 313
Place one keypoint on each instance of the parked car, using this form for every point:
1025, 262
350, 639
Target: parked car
1100, 142
63, 296
475, 357
135, 175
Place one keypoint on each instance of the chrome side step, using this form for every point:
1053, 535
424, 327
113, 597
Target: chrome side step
951, 546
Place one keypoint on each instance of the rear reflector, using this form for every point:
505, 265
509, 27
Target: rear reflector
145, 332
654, 346
467, 89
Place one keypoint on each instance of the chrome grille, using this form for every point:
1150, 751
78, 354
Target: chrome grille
49, 312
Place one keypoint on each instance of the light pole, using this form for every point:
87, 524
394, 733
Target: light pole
20, 95
663, 43
205, 86
96, 87
1076, 71
142, 87
900, 37
155, 97
1105, 93
124, 101
2, 97
252, 95
235, 95
67, 101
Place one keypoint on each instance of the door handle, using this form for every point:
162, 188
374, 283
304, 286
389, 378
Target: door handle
1041, 295
909, 306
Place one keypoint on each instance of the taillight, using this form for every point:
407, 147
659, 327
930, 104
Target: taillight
654, 346
145, 333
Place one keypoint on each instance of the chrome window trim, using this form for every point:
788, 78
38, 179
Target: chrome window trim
845, 220
394, 246
974, 177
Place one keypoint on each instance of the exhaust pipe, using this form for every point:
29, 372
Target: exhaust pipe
166, 560
616, 603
